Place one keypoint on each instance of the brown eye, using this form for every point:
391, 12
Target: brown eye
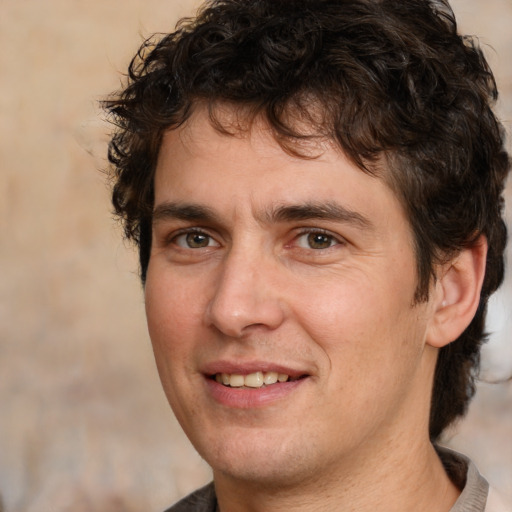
194, 240
319, 240
316, 240
197, 240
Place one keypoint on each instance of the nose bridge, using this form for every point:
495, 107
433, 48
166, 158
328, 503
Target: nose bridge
245, 293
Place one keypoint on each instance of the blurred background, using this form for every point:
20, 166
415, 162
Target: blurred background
84, 425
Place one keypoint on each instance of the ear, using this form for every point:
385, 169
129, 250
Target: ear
457, 294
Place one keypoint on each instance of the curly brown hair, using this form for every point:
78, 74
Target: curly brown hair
392, 78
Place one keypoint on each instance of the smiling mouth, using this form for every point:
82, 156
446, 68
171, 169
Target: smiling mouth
253, 380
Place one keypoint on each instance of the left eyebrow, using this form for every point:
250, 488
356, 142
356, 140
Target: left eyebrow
183, 211
311, 211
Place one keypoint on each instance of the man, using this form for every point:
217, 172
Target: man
315, 188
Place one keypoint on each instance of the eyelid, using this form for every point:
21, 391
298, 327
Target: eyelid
312, 230
174, 235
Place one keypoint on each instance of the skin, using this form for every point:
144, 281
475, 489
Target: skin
250, 271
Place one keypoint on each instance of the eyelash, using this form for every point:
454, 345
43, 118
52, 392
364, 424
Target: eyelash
331, 238
334, 240
173, 239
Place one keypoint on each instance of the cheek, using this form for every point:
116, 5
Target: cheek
172, 295
172, 317
363, 323
342, 310
173, 313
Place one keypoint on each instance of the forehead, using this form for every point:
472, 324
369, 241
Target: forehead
237, 161
299, 132
304, 127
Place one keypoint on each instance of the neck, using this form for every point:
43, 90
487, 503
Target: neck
405, 477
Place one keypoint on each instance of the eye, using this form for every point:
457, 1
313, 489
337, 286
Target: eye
195, 240
316, 240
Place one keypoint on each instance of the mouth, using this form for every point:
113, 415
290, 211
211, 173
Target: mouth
253, 380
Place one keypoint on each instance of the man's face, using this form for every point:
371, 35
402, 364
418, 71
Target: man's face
266, 266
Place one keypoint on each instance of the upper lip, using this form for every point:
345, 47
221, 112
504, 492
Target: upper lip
248, 367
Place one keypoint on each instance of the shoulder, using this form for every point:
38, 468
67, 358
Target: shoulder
202, 500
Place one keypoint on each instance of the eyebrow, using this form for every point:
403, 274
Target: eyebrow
285, 213
325, 211
183, 211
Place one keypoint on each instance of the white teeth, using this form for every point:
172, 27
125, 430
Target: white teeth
270, 378
236, 381
252, 380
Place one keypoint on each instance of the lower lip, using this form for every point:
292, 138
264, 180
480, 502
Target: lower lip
248, 398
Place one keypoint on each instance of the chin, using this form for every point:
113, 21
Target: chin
260, 460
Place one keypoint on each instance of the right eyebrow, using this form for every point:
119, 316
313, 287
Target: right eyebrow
183, 211
328, 211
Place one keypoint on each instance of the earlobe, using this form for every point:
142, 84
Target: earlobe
457, 294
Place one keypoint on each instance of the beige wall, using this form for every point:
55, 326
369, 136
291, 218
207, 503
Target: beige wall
84, 425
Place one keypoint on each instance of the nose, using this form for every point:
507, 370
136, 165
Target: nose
246, 296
